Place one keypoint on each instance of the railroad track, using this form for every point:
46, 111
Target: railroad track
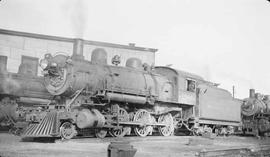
261, 150
184, 139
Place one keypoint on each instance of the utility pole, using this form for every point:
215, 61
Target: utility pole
233, 90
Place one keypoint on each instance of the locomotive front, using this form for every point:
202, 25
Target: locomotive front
64, 75
57, 71
256, 104
255, 114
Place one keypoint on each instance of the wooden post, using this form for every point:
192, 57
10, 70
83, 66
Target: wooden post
233, 91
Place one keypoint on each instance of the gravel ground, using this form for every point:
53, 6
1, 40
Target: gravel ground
157, 146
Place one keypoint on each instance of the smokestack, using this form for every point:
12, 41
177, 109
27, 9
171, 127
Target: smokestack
251, 93
78, 49
3, 64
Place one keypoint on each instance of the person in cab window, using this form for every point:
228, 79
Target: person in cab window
191, 86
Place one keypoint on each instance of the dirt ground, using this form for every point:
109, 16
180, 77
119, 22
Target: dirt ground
156, 146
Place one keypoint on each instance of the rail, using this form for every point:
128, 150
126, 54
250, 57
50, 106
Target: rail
261, 150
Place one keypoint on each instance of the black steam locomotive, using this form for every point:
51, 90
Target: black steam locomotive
256, 114
19, 93
94, 97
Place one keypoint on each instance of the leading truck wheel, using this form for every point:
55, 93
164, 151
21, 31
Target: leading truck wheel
166, 119
67, 130
143, 117
101, 133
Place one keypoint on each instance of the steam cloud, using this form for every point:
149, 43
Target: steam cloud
10, 86
76, 11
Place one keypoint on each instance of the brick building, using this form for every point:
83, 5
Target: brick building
21, 47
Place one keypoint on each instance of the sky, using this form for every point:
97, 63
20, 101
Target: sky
224, 41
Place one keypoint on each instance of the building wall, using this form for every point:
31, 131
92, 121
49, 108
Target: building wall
16, 44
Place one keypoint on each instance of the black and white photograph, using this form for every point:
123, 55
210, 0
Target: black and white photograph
134, 78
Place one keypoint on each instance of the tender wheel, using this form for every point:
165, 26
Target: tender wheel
67, 130
122, 117
195, 131
223, 131
142, 116
166, 119
216, 131
101, 133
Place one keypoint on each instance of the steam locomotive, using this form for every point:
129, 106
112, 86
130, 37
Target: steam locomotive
256, 114
19, 93
93, 97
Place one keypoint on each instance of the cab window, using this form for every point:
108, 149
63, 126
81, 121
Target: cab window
191, 85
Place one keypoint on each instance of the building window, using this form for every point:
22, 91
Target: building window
29, 65
191, 85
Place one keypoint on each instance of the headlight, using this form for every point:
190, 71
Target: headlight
43, 63
54, 64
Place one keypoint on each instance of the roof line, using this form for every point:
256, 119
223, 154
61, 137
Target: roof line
65, 39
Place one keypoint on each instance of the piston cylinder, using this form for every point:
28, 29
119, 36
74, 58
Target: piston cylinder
90, 118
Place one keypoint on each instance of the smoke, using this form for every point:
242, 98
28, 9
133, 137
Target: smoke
207, 72
76, 13
10, 86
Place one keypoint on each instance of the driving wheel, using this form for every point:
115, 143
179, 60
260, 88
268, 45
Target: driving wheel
168, 129
143, 117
